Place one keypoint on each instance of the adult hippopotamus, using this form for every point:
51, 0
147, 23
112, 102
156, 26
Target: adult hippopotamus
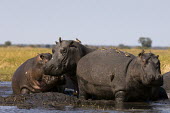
30, 77
65, 57
113, 74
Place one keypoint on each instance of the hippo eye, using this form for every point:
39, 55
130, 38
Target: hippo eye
63, 51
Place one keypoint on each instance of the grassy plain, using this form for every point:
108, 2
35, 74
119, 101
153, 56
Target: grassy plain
12, 57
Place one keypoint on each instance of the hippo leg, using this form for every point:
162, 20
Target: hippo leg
120, 96
82, 93
25, 91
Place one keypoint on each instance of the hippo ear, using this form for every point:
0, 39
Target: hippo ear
141, 53
41, 56
60, 39
157, 56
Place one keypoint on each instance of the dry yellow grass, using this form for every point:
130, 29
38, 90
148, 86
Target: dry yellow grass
12, 57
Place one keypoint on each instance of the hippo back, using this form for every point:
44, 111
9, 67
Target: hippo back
108, 73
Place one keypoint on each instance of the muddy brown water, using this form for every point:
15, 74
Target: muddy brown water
55, 102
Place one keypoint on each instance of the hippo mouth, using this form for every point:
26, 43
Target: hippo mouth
155, 82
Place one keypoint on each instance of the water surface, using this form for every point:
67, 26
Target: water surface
151, 107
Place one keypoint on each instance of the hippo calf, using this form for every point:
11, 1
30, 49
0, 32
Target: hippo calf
113, 74
30, 77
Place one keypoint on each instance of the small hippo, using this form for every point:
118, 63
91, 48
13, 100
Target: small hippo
30, 78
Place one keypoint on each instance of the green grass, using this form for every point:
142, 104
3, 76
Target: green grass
12, 57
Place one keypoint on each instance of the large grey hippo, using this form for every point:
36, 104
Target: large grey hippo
30, 77
65, 57
113, 74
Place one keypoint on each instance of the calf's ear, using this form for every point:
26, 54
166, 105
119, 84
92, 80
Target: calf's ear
41, 56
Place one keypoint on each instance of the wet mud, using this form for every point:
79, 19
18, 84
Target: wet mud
58, 101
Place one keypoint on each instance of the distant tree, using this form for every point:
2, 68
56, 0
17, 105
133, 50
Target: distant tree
47, 45
122, 46
145, 42
32, 45
8, 43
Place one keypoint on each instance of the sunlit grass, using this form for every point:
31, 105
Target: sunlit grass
12, 57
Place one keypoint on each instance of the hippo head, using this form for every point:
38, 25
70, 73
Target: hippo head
150, 69
65, 56
43, 58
